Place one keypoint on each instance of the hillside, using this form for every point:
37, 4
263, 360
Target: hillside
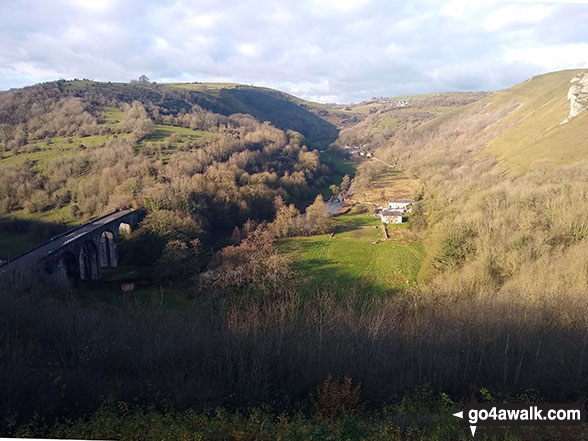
525, 124
535, 130
499, 178
518, 126
235, 291
378, 120
283, 110
72, 150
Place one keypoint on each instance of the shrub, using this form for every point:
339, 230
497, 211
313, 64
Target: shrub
333, 398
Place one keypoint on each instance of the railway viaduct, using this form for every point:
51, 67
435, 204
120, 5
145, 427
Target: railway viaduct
78, 254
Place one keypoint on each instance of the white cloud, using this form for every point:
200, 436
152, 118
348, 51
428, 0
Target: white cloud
462, 8
248, 49
205, 21
516, 13
340, 6
560, 2
94, 6
551, 57
161, 44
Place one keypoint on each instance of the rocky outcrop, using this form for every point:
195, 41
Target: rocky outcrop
577, 95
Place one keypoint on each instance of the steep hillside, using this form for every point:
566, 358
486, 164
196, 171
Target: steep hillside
282, 110
216, 155
504, 192
537, 128
380, 119
524, 124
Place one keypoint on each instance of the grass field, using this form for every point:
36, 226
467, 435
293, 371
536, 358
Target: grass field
144, 296
13, 243
202, 87
22, 230
162, 131
112, 115
356, 258
41, 153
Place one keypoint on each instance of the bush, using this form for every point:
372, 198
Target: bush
39, 201
457, 246
333, 398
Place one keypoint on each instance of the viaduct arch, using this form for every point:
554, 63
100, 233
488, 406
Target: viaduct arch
78, 254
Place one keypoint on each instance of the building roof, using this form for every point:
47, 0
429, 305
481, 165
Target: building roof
403, 201
391, 213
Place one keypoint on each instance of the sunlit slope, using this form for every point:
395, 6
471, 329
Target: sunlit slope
533, 131
281, 109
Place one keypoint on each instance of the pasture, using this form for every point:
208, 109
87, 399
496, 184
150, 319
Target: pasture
356, 258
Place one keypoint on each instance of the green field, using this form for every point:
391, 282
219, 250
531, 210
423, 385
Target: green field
41, 153
22, 230
162, 131
386, 123
356, 257
160, 145
202, 87
112, 115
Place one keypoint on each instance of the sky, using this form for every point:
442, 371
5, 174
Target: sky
323, 50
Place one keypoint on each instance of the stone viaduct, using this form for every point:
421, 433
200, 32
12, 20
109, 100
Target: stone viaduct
78, 254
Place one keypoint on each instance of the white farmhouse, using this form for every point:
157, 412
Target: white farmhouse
391, 216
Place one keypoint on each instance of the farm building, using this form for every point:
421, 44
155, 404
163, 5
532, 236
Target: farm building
401, 204
391, 216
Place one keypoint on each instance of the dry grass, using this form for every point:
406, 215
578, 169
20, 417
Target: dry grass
387, 185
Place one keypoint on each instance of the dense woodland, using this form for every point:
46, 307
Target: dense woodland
501, 316
233, 176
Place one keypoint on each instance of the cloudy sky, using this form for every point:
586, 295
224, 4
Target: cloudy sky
325, 50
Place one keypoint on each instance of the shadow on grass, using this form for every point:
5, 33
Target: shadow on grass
358, 227
19, 235
327, 275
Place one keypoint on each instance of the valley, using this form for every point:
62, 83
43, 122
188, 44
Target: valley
238, 289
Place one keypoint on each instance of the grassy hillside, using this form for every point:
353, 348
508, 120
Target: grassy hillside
282, 110
380, 119
71, 150
520, 125
534, 131
40, 153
